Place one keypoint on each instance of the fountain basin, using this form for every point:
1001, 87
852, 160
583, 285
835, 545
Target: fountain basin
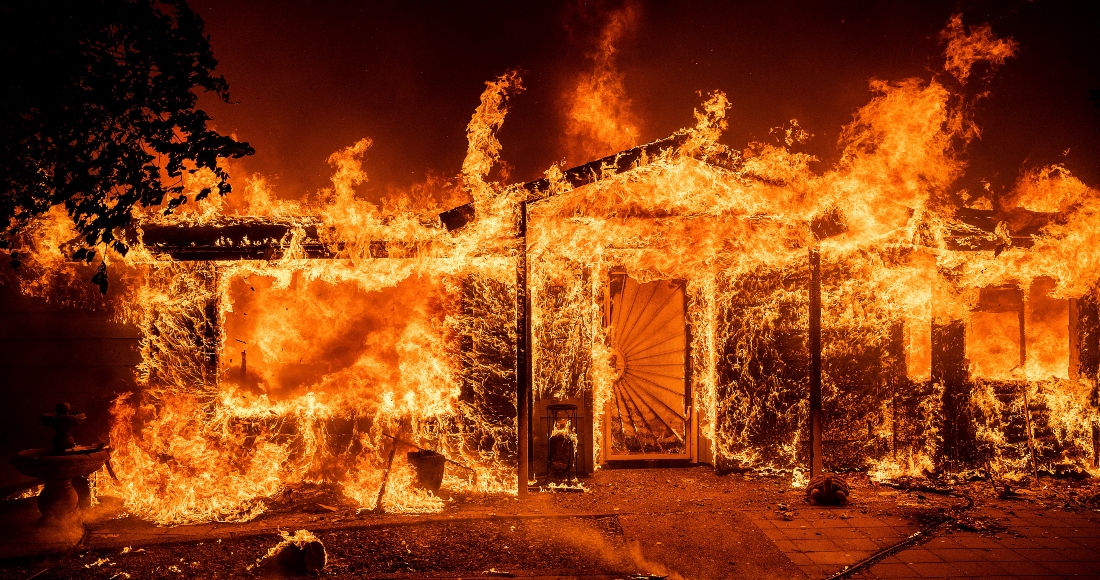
45, 464
59, 500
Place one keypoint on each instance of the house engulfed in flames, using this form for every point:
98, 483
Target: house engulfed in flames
674, 293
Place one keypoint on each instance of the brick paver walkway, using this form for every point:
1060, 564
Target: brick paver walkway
1034, 543
1027, 540
824, 541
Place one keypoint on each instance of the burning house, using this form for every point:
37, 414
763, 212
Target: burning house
680, 302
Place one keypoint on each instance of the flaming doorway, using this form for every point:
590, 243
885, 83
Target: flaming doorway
649, 414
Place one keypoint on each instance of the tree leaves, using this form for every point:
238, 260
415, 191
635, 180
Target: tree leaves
99, 114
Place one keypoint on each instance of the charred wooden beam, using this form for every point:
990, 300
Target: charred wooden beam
594, 171
898, 378
1019, 221
211, 331
456, 217
1023, 388
581, 175
996, 231
1006, 298
1085, 353
249, 239
260, 239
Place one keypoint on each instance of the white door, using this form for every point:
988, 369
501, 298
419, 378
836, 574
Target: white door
648, 416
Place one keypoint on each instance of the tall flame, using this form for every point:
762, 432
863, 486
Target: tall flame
599, 117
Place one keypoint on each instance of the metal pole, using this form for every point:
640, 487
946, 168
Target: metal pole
523, 329
815, 362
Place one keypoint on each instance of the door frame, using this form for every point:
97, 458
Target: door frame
691, 419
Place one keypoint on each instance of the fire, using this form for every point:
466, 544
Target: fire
738, 226
599, 116
964, 49
336, 359
263, 374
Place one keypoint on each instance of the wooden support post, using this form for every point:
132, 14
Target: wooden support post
1087, 333
1074, 342
523, 359
898, 374
1024, 386
1095, 444
1023, 335
894, 422
211, 335
815, 363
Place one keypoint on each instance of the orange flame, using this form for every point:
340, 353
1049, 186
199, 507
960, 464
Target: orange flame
980, 45
599, 116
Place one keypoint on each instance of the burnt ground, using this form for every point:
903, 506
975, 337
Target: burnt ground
687, 523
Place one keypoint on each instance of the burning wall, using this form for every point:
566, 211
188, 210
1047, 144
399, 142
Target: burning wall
900, 383
259, 375
909, 349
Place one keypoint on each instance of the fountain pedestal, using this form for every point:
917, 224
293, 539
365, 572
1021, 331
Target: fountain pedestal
58, 465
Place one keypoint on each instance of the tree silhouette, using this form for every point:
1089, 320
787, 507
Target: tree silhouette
99, 114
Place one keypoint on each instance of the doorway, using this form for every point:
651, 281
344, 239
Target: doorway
649, 414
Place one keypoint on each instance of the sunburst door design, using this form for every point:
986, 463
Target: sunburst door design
648, 415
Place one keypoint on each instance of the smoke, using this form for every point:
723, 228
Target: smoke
654, 568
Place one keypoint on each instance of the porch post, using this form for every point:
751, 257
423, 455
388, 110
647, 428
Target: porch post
1026, 385
523, 330
815, 362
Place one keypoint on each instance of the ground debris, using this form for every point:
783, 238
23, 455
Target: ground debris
978, 524
1010, 493
545, 541
919, 484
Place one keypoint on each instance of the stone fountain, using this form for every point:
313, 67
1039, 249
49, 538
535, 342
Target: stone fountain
59, 465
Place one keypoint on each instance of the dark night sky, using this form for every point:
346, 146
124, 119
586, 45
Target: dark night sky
311, 77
